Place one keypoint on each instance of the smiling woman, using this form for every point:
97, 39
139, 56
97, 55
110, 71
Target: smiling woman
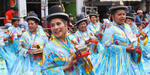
120, 45
33, 23
30, 49
58, 27
59, 52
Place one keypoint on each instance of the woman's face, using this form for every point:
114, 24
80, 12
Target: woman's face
119, 17
82, 26
16, 23
129, 21
32, 26
58, 27
93, 19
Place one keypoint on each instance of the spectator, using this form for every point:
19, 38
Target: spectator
71, 20
8, 16
139, 17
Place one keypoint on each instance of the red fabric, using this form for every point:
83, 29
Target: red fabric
8, 16
146, 23
83, 55
100, 35
46, 28
93, 41
138, 51
37, 56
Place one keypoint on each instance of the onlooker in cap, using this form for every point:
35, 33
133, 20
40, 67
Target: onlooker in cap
139, 17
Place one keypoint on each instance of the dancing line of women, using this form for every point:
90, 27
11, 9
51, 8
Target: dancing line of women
117, 48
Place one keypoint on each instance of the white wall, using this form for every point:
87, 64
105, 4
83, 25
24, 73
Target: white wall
143, 5
22, 6
79, 5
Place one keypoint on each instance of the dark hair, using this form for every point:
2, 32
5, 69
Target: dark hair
114, 11
24, 17
36, 21
83, 21
64, 21
14, 8
15, 18
93, 15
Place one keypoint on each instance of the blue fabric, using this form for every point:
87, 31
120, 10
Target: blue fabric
117, 60
25, 64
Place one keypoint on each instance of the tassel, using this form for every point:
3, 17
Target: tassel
87, 65
139, 51
11, 40
145, 41
90, 64
95, 48
139, 58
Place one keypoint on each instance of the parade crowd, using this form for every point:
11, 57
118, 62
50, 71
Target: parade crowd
119, 45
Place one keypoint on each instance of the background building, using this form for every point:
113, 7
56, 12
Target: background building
71, 6
103, 5
40, 7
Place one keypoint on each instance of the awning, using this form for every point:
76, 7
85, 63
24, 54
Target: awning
117, 0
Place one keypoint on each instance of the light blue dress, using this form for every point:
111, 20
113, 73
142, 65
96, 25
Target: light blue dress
3, 55
134, 28
94, 28
57, 55
146, 53
117, 60
96, 53
27, 64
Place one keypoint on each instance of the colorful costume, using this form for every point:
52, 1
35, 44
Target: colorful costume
26, 63
94, 28
3, 67
116, 59
13, 32
146, 52
57, 55
96, 48
134, 28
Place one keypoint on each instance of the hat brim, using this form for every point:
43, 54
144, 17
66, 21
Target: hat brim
129, 17
93, 15
32, 17
118, 8
78, 22
58, 15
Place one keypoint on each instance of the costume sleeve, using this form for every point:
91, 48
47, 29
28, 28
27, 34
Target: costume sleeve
110, 44
51, 65
23, 46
